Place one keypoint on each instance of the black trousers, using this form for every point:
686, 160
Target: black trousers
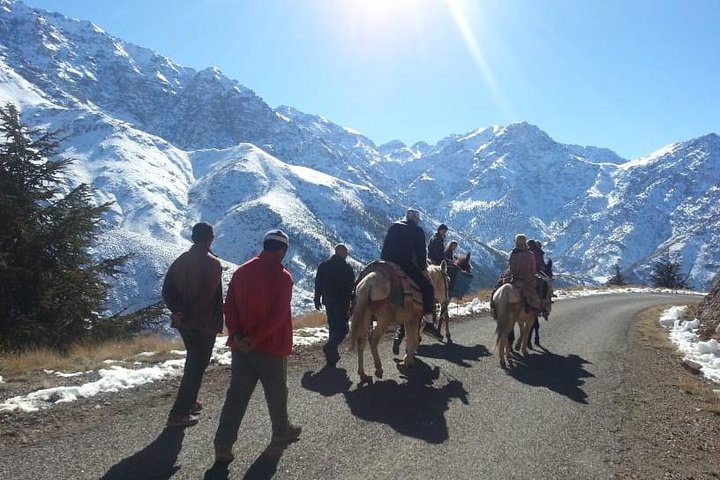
199, 346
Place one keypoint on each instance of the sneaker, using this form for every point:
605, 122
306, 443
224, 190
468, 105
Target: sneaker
291, 434
396, 346
186, 421
196, 409
223, 454
432, 330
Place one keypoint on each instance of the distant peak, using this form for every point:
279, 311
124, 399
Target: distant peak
392, 145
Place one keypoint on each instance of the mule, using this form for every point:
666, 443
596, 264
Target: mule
510, 309
373, 302
462, 264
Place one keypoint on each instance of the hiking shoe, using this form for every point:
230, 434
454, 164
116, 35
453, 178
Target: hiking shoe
185, 421
223, 454
291, 433
197, 408
396, 346
432, 330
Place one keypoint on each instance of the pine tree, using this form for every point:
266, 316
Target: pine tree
667, 273
617, 278
52, 292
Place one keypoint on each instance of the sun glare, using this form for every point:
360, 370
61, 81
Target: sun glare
462, 22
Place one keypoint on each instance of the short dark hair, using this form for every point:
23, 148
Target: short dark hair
202, 232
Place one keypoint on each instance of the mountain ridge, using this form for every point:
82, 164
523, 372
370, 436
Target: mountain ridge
171, 145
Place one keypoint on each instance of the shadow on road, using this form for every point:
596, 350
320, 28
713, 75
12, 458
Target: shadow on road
563, 375
264, 467
454, 352
414, 408
154, 462
327, 381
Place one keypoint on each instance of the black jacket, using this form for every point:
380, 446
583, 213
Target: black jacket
334, 282
405, 244
436, 249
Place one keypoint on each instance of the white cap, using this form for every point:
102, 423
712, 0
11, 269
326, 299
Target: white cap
412, 215
277, 235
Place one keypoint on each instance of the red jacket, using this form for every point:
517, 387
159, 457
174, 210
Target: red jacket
258, 304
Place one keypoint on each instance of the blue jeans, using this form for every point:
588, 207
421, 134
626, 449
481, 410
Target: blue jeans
337, 324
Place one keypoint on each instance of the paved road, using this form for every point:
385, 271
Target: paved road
457, 415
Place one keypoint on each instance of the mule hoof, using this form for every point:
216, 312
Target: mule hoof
408, 361
365, 379
379, 373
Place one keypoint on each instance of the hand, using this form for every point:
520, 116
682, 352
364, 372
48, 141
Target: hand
177, 318
238, 342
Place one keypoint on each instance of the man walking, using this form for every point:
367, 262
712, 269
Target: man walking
192, 290
259, 323
334, 284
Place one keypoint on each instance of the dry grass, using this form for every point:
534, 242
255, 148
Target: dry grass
88, 356
313, 318
483, 295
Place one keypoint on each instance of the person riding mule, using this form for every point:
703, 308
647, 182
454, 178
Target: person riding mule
436, 245
521, 274
376, 300
404, 245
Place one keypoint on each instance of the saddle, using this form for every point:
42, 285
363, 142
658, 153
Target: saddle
541, 287
402, 288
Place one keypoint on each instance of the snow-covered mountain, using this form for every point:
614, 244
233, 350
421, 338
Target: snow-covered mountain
171, 146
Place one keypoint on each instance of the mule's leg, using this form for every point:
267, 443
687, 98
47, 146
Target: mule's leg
412, 327
375, 335
361, 340
445, 315
525, 334
536, 329
502, 346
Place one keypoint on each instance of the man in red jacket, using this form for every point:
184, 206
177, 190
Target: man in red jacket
259, 323
192, 291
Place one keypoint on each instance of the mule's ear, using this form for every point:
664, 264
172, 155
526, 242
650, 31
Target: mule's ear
443, 266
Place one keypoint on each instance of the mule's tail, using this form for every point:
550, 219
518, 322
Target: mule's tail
502, 311
358, 311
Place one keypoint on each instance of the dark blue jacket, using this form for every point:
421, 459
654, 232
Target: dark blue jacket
405, 245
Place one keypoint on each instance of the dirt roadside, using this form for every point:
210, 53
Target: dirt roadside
671, 421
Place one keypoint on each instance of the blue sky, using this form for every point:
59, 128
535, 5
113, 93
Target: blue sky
628, 75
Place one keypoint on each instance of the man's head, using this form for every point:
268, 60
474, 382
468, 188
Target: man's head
202, 233
520, 241
276, 242
341, 250
452, 245
412, 216
442, 229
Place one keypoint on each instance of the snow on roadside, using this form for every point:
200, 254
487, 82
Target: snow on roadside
117, 377
683, 333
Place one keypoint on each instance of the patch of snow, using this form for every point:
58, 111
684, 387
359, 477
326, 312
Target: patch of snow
683, 334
